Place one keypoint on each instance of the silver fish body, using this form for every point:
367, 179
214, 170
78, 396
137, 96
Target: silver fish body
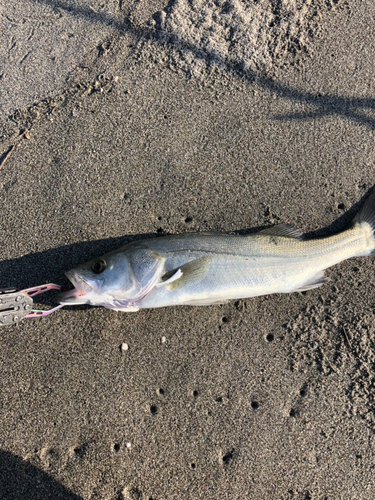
209, 268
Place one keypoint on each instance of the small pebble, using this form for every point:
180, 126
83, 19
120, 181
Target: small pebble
163, 340
124, 347
128, 445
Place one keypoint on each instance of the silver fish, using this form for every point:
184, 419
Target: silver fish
211, 268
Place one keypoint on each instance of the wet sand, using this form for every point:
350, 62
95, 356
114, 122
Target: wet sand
153, 118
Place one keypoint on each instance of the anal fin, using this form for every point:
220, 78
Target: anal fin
315, 282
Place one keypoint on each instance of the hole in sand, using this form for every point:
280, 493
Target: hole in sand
228, 457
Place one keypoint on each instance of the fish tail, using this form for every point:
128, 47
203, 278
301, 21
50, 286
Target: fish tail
366, 220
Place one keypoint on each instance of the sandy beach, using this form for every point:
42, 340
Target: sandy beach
122, 120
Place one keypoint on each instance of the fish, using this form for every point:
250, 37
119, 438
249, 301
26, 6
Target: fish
199, 269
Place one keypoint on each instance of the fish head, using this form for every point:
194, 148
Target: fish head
115, 280
98, 280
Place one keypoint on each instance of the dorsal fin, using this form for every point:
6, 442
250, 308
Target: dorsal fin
284, 230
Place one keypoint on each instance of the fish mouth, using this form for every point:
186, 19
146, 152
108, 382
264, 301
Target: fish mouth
76, 296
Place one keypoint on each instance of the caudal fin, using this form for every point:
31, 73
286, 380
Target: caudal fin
367, 215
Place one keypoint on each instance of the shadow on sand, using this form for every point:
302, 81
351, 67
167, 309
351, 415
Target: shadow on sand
19, 480
322, 105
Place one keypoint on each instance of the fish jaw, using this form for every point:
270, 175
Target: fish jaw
80, 293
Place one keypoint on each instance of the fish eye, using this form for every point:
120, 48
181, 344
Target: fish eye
99, 266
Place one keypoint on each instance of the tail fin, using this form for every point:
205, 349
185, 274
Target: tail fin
367, 215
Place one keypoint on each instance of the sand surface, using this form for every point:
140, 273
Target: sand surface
122, 119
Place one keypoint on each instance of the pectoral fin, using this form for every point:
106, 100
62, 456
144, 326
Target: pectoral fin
189, 273
170, 277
